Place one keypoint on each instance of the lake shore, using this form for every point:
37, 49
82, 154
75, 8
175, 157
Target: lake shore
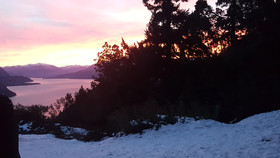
47, 91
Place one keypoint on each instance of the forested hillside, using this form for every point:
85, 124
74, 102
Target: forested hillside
218, 63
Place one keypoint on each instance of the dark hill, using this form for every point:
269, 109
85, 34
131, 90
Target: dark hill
5, 91
7, 80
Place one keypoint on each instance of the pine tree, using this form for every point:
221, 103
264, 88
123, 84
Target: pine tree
198, 30
230, 22
160, 31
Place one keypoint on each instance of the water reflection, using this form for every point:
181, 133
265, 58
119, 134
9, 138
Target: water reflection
48, 91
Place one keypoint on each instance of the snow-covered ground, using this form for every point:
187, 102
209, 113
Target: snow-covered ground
255, 137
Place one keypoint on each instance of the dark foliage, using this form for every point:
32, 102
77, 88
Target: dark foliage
176, 72
34, 115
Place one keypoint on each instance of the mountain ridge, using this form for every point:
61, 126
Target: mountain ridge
41, 70
7, 80
87, 73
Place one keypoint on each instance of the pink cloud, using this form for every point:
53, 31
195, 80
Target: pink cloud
29, 23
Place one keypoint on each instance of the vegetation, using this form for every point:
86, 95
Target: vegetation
219, 64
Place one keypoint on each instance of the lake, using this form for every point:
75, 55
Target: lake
48, 91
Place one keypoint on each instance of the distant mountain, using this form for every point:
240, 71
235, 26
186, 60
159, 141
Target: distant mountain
7, 80
87, 73
42, 70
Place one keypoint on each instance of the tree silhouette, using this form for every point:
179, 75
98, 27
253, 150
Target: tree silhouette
241, 15
241, 81
110, 60
229, 22
160, 31
196, 31
258, 12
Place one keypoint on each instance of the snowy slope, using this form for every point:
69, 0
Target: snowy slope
255, 137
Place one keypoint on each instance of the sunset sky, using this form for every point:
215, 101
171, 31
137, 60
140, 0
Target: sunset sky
67, 32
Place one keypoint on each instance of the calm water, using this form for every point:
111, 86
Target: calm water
48, 91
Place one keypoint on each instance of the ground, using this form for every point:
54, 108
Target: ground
255, 137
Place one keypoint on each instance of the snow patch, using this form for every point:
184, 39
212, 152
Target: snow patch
255, 137
25, 127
